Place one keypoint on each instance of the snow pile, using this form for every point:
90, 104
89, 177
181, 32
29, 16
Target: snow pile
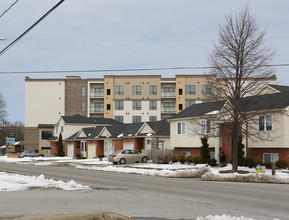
15, 182
223, 217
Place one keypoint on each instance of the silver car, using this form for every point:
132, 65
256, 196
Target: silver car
29, 153
127, 156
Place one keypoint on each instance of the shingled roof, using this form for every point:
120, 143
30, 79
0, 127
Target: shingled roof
279, 87
252, 103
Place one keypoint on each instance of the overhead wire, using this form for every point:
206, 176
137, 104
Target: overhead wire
8, 8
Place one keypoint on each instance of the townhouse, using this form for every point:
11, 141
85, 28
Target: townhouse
265, 133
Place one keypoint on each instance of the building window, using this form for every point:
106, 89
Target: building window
108, 148
212, 155
186, 153
118, 90
153, 105
118, 105
265, 123
83, 106
180, 106
62, 129
270, 157
153, 90
219, 92
98, 107
205, 127
108, 107
83, 146
136, 90
108, 92
189, 103
136, 105
190, 90
46, 135
119, 118
136, 119
180, 91
83, 90
153, 118
206, 90
181, 126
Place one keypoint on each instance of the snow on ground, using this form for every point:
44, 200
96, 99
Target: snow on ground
16, 182
167, 170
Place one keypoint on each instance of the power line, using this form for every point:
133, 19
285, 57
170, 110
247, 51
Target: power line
30, 28
8, 8
125, 70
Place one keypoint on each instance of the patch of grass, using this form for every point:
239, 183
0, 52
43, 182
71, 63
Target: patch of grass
231, 171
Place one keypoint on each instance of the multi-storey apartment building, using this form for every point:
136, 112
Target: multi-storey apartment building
126, 98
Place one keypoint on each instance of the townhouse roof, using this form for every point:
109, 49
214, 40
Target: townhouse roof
251, 103
160, 128
80, 119
46, 126
280, 88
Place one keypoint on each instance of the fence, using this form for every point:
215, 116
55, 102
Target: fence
159, 155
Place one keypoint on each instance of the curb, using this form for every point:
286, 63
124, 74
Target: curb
78, 216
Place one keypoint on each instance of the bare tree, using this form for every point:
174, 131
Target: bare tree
3, 112
240, 61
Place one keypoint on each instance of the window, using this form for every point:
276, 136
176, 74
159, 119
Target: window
136, 90
98, 107
62, 129
180, 106
118, 105
206, 89
83, 106
83, 146
153, 105
189, 103
205, 127
219, 92
83, 90
108, 92
212, 155
180, 91
136, 105
118, 90
46, 135
181, 126
136, 119
153, 90
270, 157
153, 118
265, 123
186, 153
108, 107
119, 118
190, 90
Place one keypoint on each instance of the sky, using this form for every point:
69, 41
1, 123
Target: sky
116, 35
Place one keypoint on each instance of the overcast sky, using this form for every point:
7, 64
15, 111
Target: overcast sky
122, 34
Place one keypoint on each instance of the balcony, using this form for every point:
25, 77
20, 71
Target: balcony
97, 94
97, 110
168, 94
168, 110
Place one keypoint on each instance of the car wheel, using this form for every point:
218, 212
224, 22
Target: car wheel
122, 161
144, 159
24, 156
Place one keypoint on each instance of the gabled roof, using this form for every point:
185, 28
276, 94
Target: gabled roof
79, 119
251, 103
280, 88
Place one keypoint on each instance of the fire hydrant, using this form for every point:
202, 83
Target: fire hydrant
258, 168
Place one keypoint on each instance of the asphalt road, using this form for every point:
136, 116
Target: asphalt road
143, 197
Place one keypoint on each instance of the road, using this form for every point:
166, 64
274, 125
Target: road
143, 197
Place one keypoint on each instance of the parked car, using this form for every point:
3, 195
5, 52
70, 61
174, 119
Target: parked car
126, 156
29, 153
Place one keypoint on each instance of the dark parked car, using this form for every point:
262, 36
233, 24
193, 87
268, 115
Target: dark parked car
29, 153
124, 156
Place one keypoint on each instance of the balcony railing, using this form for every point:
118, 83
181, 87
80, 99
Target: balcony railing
97, 95
168, 94
168, 110
97, 110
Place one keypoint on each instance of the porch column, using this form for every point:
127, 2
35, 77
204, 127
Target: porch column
217, 144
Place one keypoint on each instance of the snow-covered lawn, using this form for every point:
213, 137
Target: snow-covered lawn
204, 172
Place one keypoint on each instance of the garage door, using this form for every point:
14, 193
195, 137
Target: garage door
128, 145
91, 151
70, 150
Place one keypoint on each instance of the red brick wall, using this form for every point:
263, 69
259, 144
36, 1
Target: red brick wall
195, 152
53, 149
118, 145
99, 148
257, 153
